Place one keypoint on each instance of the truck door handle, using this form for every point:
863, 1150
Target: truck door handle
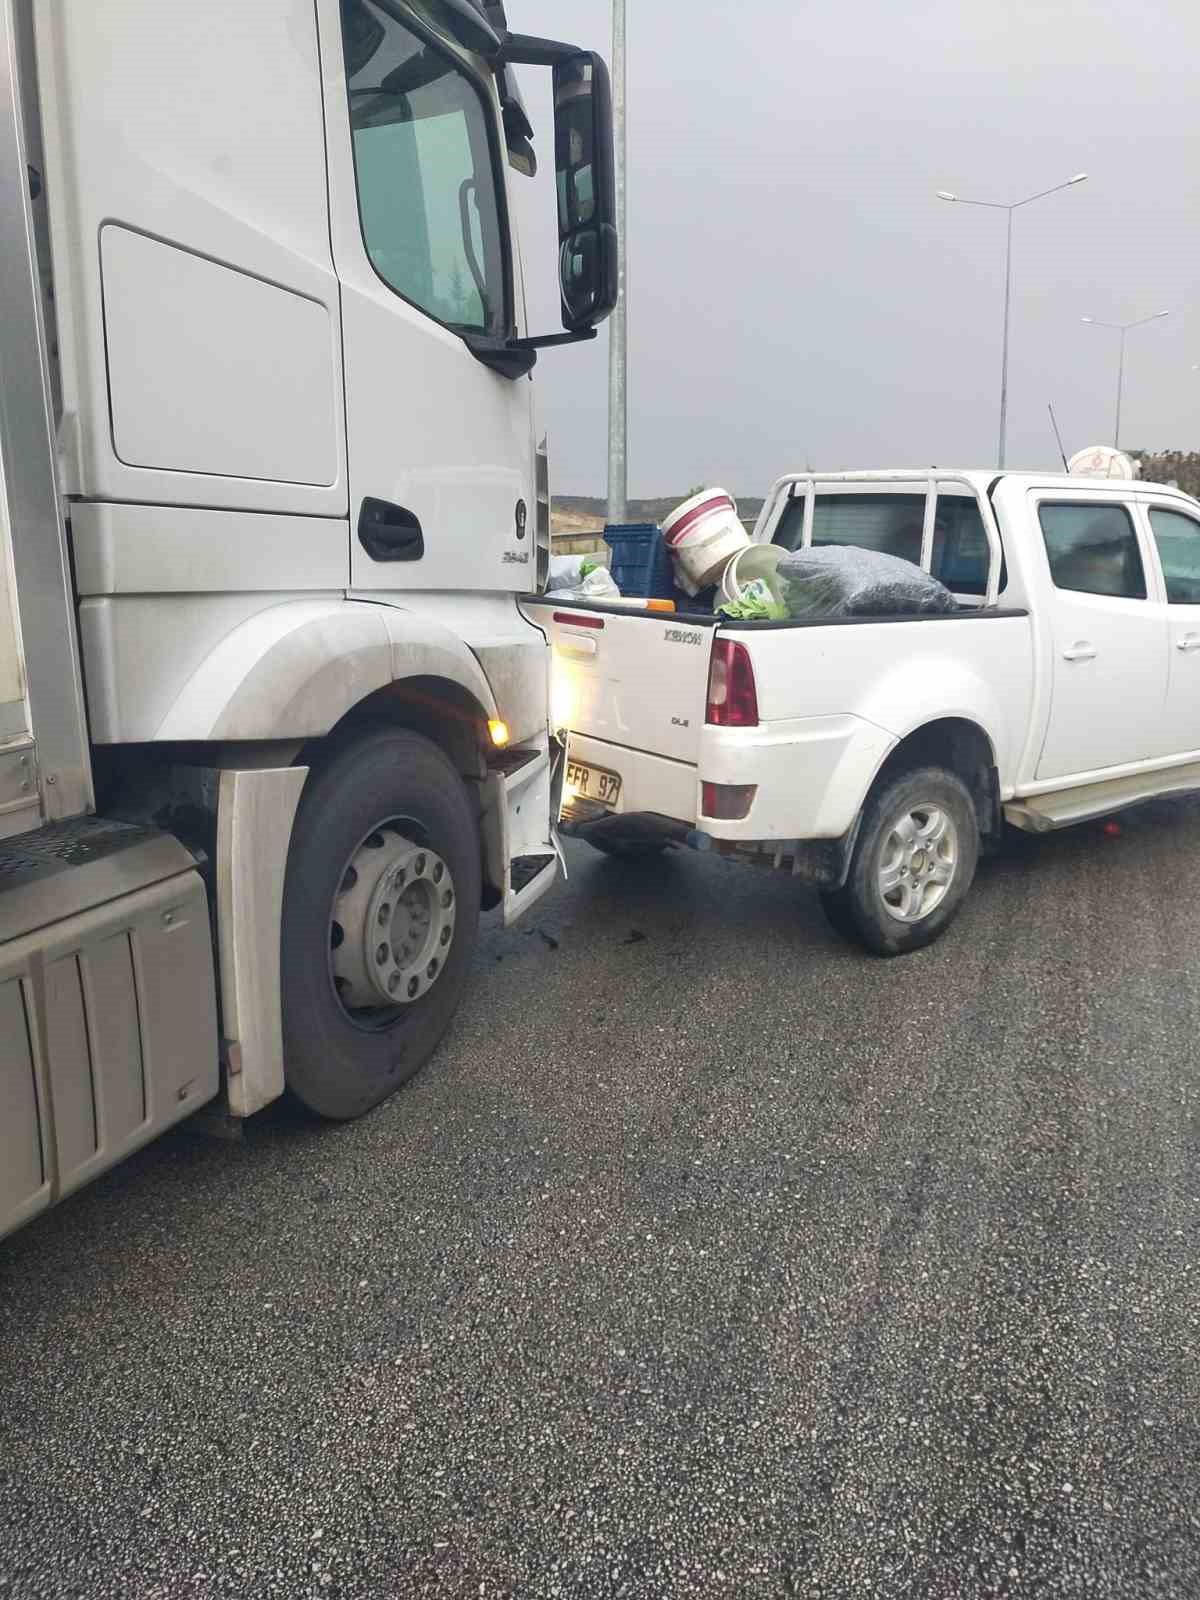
1081, 650
1190, 641
389, 533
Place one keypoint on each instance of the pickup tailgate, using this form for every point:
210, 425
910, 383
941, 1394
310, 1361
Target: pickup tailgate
632, 678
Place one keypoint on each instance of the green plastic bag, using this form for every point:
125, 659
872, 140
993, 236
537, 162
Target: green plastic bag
758, 604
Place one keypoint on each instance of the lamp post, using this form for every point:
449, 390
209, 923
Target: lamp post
618, 402
996, 205
1122, 328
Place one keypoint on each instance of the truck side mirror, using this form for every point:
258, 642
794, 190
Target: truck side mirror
583, 159
587, 204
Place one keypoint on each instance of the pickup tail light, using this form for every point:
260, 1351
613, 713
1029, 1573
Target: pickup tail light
727, 802
732, 697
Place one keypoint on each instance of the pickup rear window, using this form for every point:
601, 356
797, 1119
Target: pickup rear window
893, 524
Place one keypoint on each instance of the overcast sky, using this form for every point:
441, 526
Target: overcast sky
797, 294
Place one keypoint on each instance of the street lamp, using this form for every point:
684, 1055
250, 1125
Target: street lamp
996, 205
1123, 328
618, 354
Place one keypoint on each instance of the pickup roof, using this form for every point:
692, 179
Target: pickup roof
877, 757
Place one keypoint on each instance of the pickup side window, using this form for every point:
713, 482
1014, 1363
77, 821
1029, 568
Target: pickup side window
1093, 549
1178, 539
893, 524
428, 196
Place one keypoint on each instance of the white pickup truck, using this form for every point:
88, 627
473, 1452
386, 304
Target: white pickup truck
878, 757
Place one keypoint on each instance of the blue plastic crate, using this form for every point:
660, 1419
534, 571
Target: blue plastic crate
641, 563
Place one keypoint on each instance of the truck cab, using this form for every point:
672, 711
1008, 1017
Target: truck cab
271, 487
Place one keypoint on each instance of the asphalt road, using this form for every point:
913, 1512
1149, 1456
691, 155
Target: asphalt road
708, 1257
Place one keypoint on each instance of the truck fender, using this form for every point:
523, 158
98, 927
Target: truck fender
295, 670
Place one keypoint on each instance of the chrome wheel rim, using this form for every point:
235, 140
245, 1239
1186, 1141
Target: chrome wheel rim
918, 863
391, 925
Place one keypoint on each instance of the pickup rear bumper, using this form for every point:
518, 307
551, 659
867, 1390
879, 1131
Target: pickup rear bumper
648, 782
811, 776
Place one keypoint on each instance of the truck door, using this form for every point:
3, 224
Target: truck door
1107, 637
440, 446
1176, 535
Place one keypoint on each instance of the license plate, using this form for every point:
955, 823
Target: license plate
593, 783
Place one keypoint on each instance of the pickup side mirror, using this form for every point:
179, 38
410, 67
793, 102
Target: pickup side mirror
583, 160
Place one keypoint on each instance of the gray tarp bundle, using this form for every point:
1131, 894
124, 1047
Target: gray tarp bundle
840, 581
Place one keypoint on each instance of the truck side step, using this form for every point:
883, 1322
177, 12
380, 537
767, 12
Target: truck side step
65, 868
518, 838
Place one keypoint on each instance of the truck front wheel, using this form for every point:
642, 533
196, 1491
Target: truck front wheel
912, 865
380, 917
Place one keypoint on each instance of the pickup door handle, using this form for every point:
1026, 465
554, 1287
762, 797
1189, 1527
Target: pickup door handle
1081, 650
1190, 641
389, 533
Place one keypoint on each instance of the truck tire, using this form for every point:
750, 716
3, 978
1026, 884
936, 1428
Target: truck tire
912, 865
380, 918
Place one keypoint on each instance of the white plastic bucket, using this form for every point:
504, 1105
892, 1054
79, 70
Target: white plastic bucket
755, 561
701, 535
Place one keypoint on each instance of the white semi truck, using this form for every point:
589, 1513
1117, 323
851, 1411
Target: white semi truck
272, 728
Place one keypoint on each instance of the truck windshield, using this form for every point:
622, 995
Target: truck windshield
423, 161
893, 524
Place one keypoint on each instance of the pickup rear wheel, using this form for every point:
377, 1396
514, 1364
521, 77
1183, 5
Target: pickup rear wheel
380, 916
912, 865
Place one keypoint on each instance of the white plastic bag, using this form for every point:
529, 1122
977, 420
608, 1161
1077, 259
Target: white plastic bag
598, 585
567, 572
